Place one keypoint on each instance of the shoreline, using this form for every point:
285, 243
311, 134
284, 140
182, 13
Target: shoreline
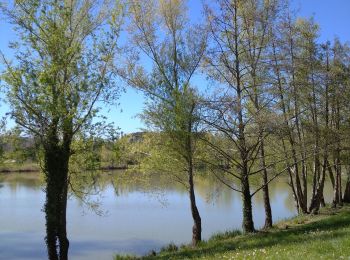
34, 170
304, 236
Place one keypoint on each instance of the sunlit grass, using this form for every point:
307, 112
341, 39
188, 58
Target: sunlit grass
324, 236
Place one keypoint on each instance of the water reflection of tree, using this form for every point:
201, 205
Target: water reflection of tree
88, 186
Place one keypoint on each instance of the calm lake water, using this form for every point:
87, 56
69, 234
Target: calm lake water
135, 219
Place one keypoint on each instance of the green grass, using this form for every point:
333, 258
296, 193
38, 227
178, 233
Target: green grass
323, 236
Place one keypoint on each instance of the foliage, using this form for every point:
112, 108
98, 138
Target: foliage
63, 67
17, 148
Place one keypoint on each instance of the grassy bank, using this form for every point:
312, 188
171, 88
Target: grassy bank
324, 236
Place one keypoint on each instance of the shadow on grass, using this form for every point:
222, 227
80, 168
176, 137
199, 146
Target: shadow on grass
319, 230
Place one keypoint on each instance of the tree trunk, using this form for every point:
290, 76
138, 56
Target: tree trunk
56, 171
346, 197
299, 191
301, 188
291, 184
296, 188
337, 199
197, 222
62, 234
248, 224
291, 181
336, 192
51, 222
318, 198
340, 189
331, 175
304, 179
267, 205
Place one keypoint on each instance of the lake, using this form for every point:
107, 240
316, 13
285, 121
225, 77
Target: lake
134, 217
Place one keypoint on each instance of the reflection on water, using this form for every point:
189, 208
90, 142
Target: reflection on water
135, 220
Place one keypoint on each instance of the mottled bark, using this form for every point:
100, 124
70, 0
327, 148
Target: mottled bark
56, 158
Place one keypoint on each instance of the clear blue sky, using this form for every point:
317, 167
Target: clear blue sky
333, 16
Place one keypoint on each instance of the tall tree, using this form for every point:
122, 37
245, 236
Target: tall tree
236, 60
339, 114
61, 69
308, 79
161, 31
294, 72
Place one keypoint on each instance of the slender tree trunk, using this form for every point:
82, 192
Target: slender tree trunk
317, 183
301, 188
335, 201
197, 222
318, 198
337, 198
318, 175
291, 184
346, 197
197, 225
340, 188
331, 175
290, 174
267, 205
314, 185
304, 181
296, 188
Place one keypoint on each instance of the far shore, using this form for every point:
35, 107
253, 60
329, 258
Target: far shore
6, 170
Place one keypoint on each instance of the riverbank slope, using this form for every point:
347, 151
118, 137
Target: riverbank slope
323, 236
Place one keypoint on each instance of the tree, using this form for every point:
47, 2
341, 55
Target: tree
236, 61
63, 60
160, 31
308, 79
339, 112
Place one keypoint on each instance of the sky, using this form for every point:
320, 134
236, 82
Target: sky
333, 16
